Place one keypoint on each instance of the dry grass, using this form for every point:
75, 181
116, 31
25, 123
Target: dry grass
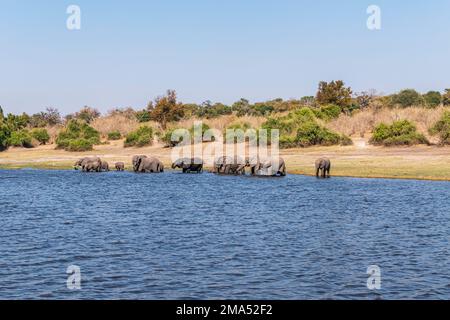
362, 123
116, 122
223, 122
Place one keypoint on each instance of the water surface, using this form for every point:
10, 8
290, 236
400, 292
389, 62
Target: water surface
175, 236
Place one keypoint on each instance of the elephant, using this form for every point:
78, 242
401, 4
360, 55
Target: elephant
267, 166
146, 164
105, 166
120, 166
189, 165
229, 165
89, 164
323, 166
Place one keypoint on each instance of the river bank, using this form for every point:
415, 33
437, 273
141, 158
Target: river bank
359, 160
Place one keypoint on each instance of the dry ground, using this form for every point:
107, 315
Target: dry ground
360, 160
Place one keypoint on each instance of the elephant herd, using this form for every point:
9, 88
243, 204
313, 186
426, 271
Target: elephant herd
222, 165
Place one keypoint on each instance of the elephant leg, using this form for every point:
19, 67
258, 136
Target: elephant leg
324, 173
317, 172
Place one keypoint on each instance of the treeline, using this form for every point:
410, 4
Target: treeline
299, 120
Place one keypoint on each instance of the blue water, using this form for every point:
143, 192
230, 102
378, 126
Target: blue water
175, 236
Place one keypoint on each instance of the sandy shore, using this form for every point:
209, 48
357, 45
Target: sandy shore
359, 160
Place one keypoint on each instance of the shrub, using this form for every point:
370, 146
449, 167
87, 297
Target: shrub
442, 128
21, 138
400, 132
139, 138
433, 99
407, 98
41, 135
114, 135
335, 93
80, 144
310, 133
301, 129
5, 133
77, 130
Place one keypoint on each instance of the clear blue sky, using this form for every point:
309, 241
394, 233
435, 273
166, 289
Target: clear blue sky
128, 52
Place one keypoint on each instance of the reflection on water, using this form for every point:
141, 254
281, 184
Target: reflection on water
174, 236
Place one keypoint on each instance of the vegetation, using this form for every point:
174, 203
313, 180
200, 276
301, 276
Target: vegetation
335, 93
407, 98
77, 135
442, 128
322, 119
400, 132
139, 138
301, 129
114, 135
21, 138
41, 135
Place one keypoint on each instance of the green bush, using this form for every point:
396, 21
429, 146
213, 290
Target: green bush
400, 132
301, 129
114, 135
310, 133
77, 131
139, 138
408, 98
80, 144
442, 128
21, 138
41, 135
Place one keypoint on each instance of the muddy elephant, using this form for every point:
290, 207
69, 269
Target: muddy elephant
89, 164
229, 165
269, 166
104, 166
120, 166
144, 164
189, 165
323, 167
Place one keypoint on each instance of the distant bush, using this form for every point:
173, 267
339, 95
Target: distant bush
139, 138
41, 135
21, 138
80, 144
400, 132
432, 99
407, 98
114, 135
328, 112
442, 128
166, 137
79, 132
301, 129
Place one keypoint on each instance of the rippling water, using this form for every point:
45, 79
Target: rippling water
175, 236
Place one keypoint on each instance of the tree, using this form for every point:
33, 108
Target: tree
433, 98
87, 114
335, 93
446, 98
166, 109
407, 98
364, 99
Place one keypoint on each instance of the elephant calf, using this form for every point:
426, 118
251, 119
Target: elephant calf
323, 167
189, 165
105, 166
120, 166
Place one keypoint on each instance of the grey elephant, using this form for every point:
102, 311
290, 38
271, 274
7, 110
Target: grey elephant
189, 165
269, 166
120, 166
144, 164
229, 165
105, 166
323, 167
89, 164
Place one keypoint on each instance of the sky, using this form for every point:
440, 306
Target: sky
129, 52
